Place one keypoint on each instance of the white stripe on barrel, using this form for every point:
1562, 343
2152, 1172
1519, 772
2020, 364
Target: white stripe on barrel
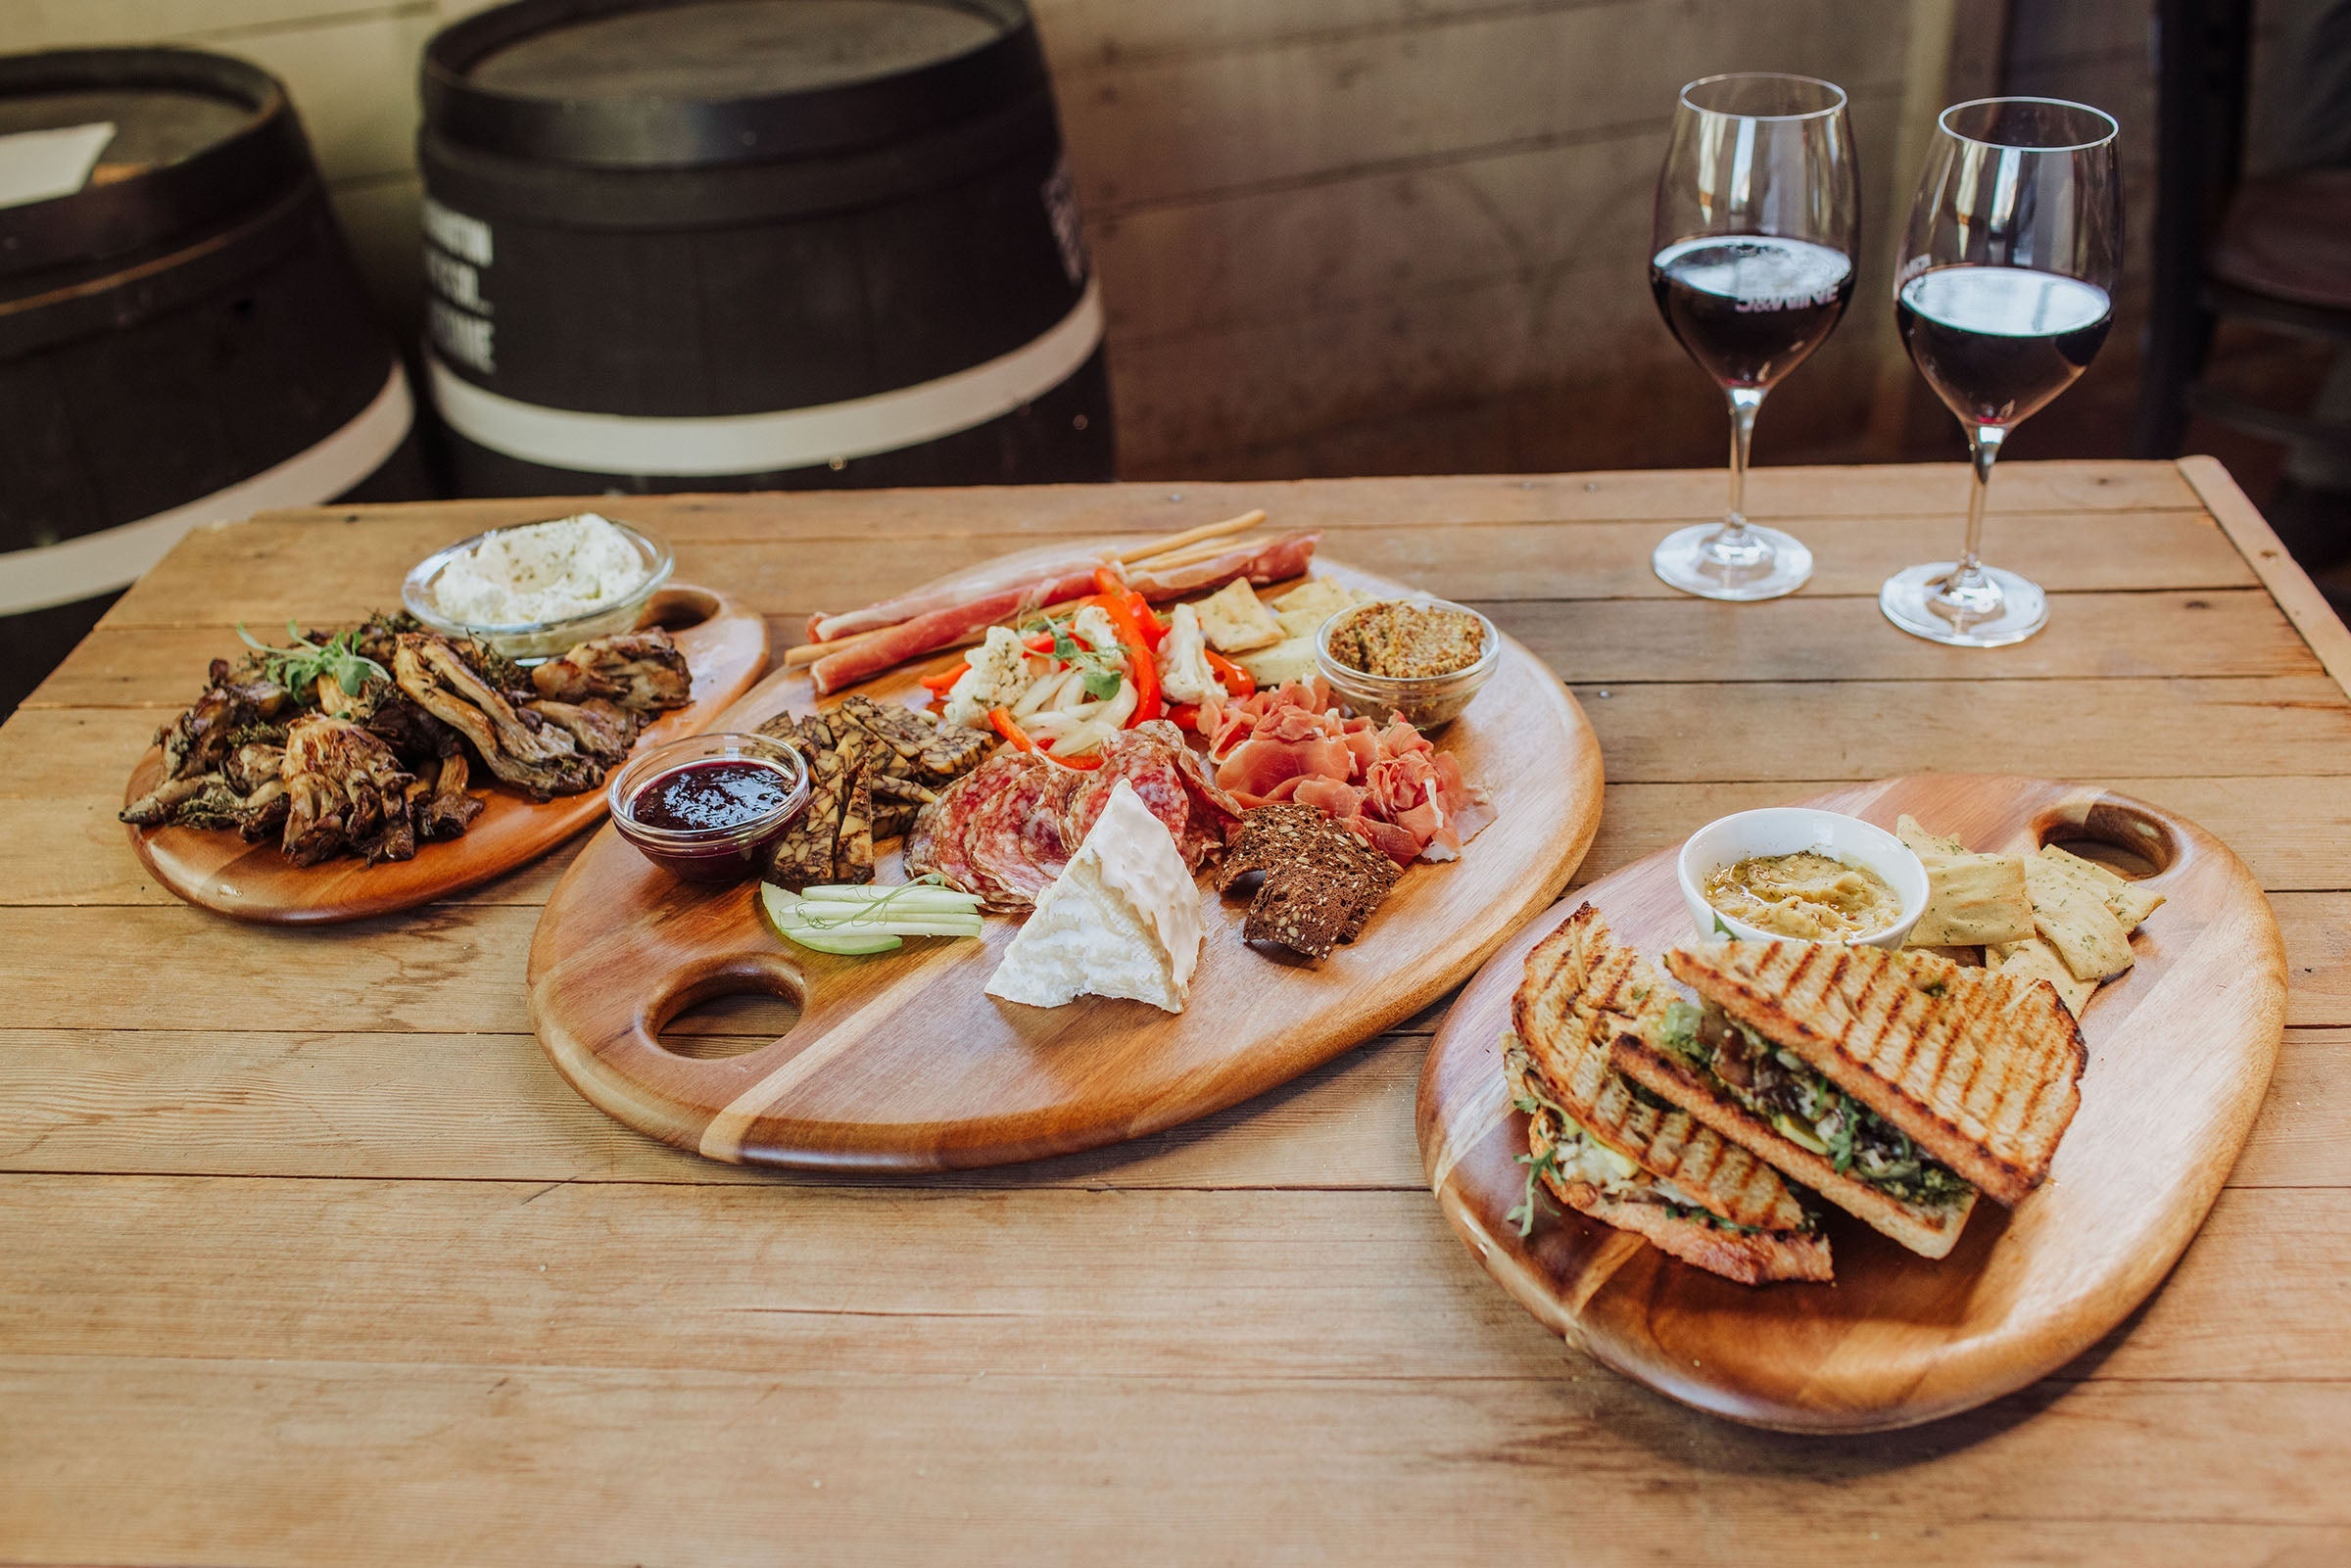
90, 564
790, 438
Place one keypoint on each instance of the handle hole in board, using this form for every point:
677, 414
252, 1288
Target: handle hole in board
2129, 842
675, 609
730, 1015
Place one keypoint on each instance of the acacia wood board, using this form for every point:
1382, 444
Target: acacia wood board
901, 1061
2180, 1049
725, 644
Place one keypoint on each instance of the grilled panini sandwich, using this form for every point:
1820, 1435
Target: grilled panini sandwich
1895, 1084
1620, 1155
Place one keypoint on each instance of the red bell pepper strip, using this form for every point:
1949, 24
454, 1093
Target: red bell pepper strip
1141, 669
1040, 644
945, 678
1237, 681
1113, 590
1186, 716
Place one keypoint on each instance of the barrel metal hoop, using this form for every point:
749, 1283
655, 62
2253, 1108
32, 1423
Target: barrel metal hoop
118, 300
90, 564
712, 446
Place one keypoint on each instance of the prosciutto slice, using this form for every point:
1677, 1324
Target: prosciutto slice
1386, 783
1047, 564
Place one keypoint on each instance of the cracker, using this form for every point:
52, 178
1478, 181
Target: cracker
2068, 912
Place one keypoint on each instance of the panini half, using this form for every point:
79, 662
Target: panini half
1621, 1156
1897, 1084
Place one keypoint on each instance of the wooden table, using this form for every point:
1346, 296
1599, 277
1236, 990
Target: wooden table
306, 1255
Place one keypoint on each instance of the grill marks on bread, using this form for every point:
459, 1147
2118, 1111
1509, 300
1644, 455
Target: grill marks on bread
1980, 1068
1582, 990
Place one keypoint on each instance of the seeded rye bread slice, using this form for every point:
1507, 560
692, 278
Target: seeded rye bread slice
1582, 990
1981, 1069
1322, 883
1750, 1258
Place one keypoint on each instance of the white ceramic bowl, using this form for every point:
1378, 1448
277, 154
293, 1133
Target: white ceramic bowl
1789, 830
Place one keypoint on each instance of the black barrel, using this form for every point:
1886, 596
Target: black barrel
754, 244
184, 339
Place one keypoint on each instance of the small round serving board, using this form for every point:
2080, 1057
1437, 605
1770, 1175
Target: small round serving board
2180, 1049
901, 1061
725, 646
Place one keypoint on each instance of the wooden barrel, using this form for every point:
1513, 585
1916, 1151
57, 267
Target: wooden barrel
183, 338
754, 244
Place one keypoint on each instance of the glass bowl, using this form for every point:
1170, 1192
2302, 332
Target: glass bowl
1426, 701
536, 641
718, 854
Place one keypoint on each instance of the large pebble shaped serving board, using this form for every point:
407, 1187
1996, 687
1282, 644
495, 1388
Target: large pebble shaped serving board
2180, 1049
901, 1061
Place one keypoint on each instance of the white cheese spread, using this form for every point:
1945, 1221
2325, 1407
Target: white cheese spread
549, 571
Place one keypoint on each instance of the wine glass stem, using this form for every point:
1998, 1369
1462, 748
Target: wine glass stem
1744, 400
1982, 448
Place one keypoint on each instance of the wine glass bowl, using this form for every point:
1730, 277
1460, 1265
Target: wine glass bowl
2003, 298
1751, 263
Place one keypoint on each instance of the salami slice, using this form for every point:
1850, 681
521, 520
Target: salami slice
934, 846
995, 837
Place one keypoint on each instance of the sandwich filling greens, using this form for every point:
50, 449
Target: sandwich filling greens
1804, 1107
1571, 1153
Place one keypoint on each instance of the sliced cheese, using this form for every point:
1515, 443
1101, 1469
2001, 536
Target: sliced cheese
1235, 620
2033, 959
2075, 921
2131, 902
1972, 900
1123, 919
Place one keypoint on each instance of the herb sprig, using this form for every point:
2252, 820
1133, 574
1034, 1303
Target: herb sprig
296, 667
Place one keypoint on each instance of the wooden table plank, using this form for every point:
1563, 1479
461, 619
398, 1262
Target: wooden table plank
282, 1462
261, 573
273, 1205
2170, 632
488, 1106
1303, 1284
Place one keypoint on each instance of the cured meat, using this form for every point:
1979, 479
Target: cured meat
935, 630
1284, 557
1051, 565
1388, 783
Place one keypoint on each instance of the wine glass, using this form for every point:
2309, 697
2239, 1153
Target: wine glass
2002, 297
1751, 264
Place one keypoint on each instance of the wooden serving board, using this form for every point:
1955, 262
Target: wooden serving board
901, 1061
2180, 1049
725, 646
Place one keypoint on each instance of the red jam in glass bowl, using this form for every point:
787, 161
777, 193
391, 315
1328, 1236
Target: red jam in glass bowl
704, 808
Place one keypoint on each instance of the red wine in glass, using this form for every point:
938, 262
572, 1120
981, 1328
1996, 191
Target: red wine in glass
1752, 246
1997, 343
1750, 307
2003, 298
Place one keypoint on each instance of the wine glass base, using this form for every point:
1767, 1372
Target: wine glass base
1682, 560
1911, 602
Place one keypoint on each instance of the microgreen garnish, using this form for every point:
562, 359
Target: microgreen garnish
306, 661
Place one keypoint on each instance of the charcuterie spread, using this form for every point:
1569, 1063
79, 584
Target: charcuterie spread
1091, 682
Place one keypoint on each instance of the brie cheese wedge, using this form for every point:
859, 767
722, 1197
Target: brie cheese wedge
1123, 919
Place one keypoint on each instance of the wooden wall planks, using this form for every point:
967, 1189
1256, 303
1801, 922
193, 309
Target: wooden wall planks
1336, 235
